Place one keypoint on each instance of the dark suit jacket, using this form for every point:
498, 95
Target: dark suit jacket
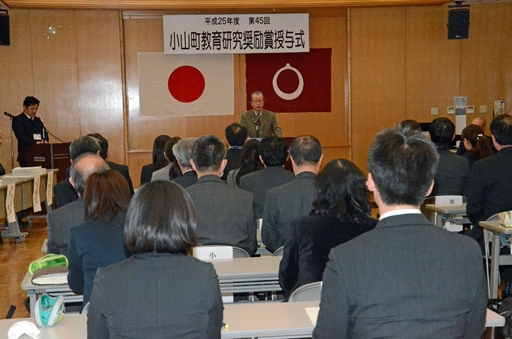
60, 222
146, 173
187, 179
64, 193
224, 214
24, 129
233, 155
259, 182
452, 175
268, 125
285, 203
94, 244
156, 295
123, 169
307, 247
404, 279
490, 189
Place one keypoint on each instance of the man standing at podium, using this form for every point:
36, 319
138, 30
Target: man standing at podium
259, 122
28, 128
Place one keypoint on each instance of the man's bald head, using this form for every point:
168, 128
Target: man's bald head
480, 122
83, 166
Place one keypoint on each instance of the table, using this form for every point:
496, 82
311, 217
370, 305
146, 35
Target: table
442, 212
497, 230
238, 275
245, 320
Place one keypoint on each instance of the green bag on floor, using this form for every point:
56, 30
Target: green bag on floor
48, 261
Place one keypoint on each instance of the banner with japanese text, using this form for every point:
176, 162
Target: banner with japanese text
236, 33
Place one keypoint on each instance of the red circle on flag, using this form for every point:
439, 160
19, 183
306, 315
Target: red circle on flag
186, 84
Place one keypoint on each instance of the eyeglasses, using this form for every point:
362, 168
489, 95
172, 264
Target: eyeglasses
258, 101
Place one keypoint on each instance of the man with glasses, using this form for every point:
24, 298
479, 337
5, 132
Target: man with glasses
259, 122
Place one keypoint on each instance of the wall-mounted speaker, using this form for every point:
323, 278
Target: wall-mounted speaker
5, 35
458, 23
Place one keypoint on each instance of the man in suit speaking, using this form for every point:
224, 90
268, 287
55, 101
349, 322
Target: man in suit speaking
28, 128
406, 278
259, 122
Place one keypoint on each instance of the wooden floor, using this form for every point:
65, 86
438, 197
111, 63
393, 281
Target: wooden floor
14, 261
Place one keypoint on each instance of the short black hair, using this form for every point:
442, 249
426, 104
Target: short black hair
305, 149
501, 129
441, 132
273, 151
30, 101
208, 152
410, 124
342, 192
403, 165
82, 145
161, 219
235, 134
103, 144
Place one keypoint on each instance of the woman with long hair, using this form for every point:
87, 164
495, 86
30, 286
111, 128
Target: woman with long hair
341, 212
160, 291
250, 162
476, 143
159, 160
98, 242
171, 170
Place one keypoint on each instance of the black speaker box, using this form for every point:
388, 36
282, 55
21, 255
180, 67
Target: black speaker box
458, 24
5, 35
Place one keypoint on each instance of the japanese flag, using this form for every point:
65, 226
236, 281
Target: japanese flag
186, 85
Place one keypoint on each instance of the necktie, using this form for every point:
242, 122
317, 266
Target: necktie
258, 122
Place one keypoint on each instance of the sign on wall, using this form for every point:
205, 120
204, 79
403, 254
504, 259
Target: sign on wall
236, 34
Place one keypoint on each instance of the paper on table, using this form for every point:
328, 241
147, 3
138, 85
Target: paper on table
36, 199
312, 314
49, 189
9, 203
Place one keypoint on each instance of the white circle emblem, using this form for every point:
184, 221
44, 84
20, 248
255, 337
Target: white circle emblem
288, 96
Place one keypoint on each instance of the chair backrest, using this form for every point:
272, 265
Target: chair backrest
278, 252
212, 252
308, 292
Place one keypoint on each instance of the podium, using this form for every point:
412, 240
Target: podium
49, 156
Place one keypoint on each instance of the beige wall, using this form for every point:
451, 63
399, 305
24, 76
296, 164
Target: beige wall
388, 64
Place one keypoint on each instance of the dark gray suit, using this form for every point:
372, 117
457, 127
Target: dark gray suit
157, 296
224, 214
452, 177
187, 179
404, 279
123, 169
285, 203
259, 182
60, 222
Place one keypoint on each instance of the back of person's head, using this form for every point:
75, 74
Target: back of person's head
250, 159
83, 166
305, 150
208, 152
410, 124
480, 146
342, 192
442, 131
103, 144
106, 194
162, 219
82, 145
30, 101
480, 122
273, 151
174, 170
501, 129
403, 166
235, 134
158, 150
183, 151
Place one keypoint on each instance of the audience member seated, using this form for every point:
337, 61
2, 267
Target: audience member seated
452, 177
160, 291
410, 125
171, 171
250, 162
406, 278
476, 144
224, 213
61, 220
64, 192
236, 135
491, 186
98, 242
295, 198
340, 213
123, 169
479, 121
159, 159
183, 152
273, 154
